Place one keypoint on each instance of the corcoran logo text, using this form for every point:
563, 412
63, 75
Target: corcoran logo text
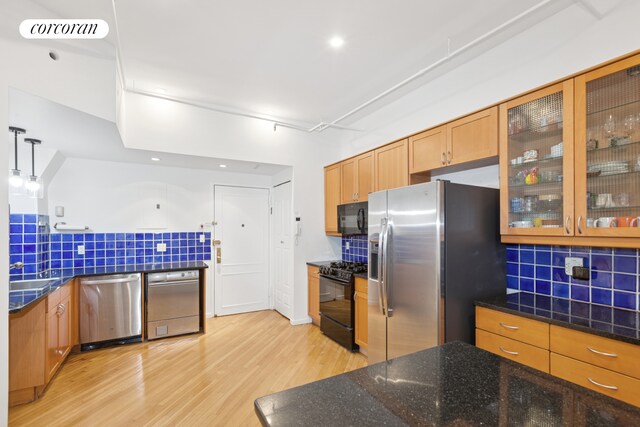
64, 29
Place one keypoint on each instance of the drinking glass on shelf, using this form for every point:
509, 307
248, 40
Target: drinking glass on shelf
609, 127
629, 125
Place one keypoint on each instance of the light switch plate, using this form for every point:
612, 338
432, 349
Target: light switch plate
570, 262
161, 247
347, 246
80, 249
202, 238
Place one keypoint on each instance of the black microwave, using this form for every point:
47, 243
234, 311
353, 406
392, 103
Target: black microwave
352, 218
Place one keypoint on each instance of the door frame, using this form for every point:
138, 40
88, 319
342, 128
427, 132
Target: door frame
269, 254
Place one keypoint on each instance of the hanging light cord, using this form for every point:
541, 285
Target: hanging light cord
33, 143
16, 131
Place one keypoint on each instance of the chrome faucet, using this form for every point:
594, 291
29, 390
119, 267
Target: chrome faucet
19, 265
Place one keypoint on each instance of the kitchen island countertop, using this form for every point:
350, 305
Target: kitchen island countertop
455, 384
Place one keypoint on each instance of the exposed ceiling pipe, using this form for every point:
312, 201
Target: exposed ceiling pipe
334, 124
450, 55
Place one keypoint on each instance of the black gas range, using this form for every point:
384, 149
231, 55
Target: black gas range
337, 314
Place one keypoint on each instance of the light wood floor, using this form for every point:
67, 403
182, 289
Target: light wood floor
210, 379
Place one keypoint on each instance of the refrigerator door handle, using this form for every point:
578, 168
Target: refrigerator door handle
387, 282
381, 269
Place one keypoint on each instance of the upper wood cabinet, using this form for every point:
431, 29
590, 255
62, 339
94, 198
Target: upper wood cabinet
391, 166
427, 150
332, 191
357, 176
470, 138
607, 151
536, 163
473, 137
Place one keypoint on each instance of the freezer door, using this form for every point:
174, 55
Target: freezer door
414, 268
377, 351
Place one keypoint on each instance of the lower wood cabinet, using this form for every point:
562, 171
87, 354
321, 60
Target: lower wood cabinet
27, 343
535, 357
605, 365
361, 314
602, 380
58, 329
314, 294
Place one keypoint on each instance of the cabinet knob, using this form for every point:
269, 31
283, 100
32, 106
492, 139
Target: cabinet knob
442, 158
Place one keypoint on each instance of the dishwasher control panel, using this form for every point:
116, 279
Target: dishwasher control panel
173, 276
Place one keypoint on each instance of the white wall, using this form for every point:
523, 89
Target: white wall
561, 45
112, 197
78, 81
161, 125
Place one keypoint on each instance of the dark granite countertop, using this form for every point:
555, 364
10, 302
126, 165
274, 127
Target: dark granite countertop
609, 322
454, 385
31, 297
320, 263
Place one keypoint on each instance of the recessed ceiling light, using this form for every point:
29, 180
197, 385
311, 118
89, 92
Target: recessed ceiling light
223, 166
160, 90
155, 159
336, 42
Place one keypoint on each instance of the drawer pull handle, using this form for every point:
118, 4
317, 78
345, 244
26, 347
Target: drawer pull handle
515, 328
601, 353
610, 387
515, 353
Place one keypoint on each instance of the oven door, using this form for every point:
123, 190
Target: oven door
336, 300
352, 218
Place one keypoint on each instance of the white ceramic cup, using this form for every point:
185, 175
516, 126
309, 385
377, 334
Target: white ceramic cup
605, 222
591, 222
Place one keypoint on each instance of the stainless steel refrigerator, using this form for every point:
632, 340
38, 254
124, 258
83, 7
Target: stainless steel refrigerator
434, 248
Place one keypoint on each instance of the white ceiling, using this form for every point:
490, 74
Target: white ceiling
273, 58
80, 135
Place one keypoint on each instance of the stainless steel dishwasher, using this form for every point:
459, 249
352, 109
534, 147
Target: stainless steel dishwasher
110, 310
173, 303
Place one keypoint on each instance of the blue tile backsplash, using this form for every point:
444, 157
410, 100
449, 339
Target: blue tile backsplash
48, 254
614, 274
357, 248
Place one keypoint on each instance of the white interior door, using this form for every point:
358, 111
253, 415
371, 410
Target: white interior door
282, 243
241, 279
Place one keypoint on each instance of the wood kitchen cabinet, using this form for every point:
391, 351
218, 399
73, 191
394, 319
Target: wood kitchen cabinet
27, 343
357, 176
601, 364
473, 137
536, 163
314, 294
58, 329
361, 314
391, 166
578, 180
332, 198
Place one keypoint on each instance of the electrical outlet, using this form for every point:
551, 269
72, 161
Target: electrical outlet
570, 262
347, 246
80, 249
161, 247
202, 238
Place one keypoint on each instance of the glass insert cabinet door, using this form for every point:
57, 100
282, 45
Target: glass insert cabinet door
536, 163
607, 170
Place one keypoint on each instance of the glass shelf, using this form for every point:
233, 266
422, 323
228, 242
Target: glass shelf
613, 175
540, 185
541, 162
616, 107
613, 208
537, 133
617, 149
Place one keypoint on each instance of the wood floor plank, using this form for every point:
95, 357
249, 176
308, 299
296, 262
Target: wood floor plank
209, 379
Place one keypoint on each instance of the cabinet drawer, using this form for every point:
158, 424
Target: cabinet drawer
517, 351
603, 381
362, 285
515, 327
604, 352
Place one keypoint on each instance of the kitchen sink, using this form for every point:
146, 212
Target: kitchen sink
35, 284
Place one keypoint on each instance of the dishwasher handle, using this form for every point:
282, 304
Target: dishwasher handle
176, 282
107, 282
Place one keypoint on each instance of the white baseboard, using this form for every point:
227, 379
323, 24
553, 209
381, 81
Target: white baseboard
303, 321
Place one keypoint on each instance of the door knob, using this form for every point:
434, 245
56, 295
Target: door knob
216, 242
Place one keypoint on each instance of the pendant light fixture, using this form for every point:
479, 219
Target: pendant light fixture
16, 181
33, 184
